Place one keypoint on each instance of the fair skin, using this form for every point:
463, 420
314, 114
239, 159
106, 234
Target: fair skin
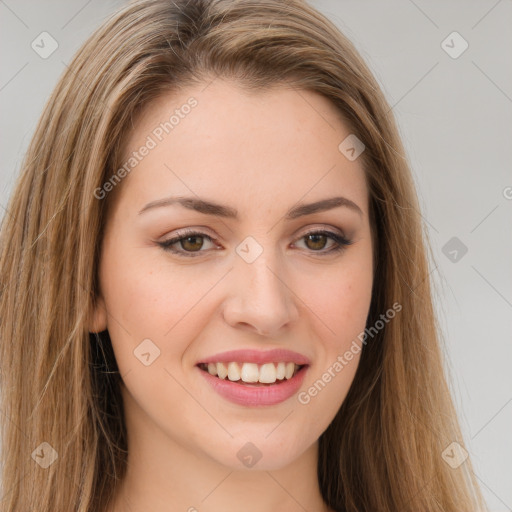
261, 154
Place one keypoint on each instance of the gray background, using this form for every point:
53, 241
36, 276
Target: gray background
455, 118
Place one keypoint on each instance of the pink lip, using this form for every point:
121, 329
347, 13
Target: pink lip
259, 357
251, 396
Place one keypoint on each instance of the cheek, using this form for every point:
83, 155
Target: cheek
146, 298
341, 302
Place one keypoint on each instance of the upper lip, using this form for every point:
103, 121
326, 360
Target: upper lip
257, 356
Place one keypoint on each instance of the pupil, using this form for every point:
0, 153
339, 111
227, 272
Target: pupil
186, 240
315, 239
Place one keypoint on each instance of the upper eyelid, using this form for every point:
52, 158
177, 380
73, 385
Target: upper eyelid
313, 226
199, 232
166, 244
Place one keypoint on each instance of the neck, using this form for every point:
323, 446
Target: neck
164, 476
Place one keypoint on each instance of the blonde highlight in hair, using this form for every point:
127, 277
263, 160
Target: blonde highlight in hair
60, 383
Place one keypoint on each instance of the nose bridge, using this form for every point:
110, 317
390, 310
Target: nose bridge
261, 277
260, 296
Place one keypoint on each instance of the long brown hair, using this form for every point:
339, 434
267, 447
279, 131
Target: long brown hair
60, 384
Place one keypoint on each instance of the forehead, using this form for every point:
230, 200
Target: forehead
258, 149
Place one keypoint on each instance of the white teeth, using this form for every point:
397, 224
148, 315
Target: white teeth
222, 371
250, 372
266, 373
290, 368
281, 370
233, 371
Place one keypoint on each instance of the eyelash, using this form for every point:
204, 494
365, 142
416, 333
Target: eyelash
341, 242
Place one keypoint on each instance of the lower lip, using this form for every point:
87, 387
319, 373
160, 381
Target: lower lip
251, 396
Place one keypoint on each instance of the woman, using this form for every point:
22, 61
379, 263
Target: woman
215, 287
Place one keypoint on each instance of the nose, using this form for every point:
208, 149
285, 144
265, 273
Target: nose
261, 300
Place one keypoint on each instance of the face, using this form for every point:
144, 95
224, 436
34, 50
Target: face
240, 277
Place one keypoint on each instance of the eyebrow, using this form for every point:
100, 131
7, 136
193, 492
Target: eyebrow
218, 210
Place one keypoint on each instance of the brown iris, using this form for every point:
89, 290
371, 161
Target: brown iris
194, 244
317, 240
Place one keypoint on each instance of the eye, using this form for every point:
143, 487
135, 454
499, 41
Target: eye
318, 239
192, 242
189, 240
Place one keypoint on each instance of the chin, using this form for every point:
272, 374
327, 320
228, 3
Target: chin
258, 450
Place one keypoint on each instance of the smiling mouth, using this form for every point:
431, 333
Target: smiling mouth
252, 374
